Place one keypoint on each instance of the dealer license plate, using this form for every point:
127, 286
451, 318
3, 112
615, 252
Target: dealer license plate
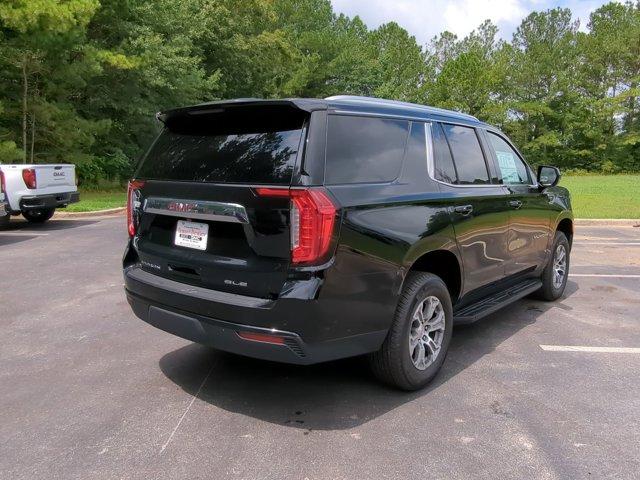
191, 234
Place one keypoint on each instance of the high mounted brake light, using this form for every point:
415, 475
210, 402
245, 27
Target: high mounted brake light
29, 177
312, 217
133, 202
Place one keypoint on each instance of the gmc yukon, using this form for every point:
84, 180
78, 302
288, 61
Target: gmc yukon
306, 230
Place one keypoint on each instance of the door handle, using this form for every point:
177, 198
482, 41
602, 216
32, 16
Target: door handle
515, 203
464, 209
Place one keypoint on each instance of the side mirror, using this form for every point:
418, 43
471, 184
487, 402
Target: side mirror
548, 176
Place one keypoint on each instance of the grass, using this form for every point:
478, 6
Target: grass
593, 196
604, 196
92, 200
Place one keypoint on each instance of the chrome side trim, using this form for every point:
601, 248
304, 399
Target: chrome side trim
430, 160
198, 209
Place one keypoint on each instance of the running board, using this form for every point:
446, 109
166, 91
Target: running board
475, 311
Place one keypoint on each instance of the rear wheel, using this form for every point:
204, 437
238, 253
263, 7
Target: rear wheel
38, 215
4, 221
419, 337
555, 274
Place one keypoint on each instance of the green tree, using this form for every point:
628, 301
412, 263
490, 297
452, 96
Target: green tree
470, 73
35, 37
609, 87
541, 73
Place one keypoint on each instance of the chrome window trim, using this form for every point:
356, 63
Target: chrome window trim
431, 161
197, 209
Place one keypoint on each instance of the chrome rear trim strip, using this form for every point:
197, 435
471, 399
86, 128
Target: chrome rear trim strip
198, 209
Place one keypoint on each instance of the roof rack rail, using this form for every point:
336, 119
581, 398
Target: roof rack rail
397, 103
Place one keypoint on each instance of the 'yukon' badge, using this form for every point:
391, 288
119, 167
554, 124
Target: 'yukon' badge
235, 283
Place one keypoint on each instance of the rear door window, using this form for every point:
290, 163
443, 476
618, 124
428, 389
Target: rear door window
467, 155
444, 170
364, 149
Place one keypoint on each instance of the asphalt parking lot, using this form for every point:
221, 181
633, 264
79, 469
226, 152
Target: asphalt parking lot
89, 391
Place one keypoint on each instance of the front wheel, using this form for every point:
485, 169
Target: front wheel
419, 337
555, 274
38, 215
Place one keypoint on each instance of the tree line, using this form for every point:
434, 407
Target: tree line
81, 80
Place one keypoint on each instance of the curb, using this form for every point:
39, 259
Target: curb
96, 213
612, 222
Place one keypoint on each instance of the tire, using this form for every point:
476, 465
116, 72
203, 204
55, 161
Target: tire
552, 288
39, 215
395, 362
4, 221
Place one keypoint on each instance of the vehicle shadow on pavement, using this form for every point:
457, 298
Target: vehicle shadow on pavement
5, 240
51, 225
335, 395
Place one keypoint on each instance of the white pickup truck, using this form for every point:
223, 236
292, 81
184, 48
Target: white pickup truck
37, 190
4, 207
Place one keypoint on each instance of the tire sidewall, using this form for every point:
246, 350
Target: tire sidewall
431, 287
560, 239
44, 214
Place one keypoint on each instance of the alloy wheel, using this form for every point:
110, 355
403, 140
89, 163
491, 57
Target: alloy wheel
427, 332
559, 266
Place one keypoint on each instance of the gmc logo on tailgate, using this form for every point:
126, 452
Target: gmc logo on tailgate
182, 207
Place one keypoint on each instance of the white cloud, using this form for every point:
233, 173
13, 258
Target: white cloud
462, 17
425, 19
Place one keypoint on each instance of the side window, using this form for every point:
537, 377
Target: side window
512, 169
415, 155
364, 149
444, 170
467, 155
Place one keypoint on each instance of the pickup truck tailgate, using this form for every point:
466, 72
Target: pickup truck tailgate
48, 176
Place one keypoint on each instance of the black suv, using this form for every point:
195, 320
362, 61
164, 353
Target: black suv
306, 230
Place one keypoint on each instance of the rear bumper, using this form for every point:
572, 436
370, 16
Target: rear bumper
170, 306
56, 200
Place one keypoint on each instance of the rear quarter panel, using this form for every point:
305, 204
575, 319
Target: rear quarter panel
385, 228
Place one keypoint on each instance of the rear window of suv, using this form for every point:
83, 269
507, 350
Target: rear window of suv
364, 149
467, 155
223, 148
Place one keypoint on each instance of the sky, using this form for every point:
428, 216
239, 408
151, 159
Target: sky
425, 19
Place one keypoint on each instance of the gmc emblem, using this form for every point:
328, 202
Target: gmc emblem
182, 207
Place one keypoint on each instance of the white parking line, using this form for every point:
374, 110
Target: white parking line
576, 348
604, 275
184, 414
582, 244
23, 234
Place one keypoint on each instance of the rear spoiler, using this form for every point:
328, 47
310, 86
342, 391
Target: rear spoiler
236, 106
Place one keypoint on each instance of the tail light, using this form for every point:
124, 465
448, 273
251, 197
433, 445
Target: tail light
3, 187
29, 177
133, 202
312, 217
